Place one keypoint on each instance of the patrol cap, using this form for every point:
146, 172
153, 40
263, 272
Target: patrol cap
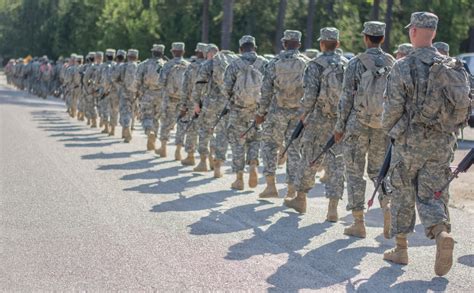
99, 54
441, 46
311, 53
121, 52
374, 28
200, 47
423, 20
405, 48
79, 58
132, 53
110, 52
177, 46
291, 35
90, 54
247, 39
158, 48
210, 47
328, 34
73, 55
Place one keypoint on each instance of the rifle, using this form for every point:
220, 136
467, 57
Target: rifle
382, 173
463, 166
254, 125
224, 112
326, 148
296, 133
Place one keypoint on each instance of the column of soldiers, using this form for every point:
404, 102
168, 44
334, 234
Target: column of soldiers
254, 104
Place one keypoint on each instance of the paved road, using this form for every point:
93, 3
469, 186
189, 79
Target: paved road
82, 211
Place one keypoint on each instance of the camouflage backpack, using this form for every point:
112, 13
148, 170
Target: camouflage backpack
289, 81
175, 79
219, 64
369, 98
331, 84
248, 84
445, 106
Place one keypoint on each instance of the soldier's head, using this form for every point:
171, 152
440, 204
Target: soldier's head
99, 56
110, 54
442, 47
120, 55
403, 50
374, 33
247, 44
157, 50
211, 51
328, 39
422, 29
79, 59
200, 50
291, 40
132, 55
177, 49
90, 57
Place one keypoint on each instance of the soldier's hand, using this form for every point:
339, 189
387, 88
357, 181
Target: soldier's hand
338, 136
259, 119
197, 109
302, 119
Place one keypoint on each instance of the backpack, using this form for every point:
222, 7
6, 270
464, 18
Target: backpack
330, 85
446, 104
175, 79
219, 64
248, 84
369, 98
289, 81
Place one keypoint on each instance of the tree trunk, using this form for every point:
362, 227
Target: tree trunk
205, 22
279, 27
375, 10
227, 24
308, 41
470, 47
388, 29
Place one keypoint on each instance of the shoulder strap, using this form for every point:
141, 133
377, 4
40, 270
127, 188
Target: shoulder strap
367, 62
322, 61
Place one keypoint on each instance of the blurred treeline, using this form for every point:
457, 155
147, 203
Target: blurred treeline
60, 27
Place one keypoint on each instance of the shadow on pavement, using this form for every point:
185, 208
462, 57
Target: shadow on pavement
467, 260
104, 156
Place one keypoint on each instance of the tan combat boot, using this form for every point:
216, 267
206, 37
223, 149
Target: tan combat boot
332, 210
387, 217
217, 168
202, 166
189, 161
357, 229
253, 174
399, 254
162, 150
82, 116
239, 181
112, 131
88, 121
444, 249
106, 127
270, 190
73, 112
211, 159
177, 153
94, 123
150, 144
298, 203
291, 191
127, 136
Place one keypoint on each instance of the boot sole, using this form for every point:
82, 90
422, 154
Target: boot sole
444, 256
404, 263
358, 236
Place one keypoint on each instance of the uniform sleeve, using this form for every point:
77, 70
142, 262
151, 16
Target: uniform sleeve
311, 81
186, 89
346, 102
163, 78
202, 79
267, 88
395, 99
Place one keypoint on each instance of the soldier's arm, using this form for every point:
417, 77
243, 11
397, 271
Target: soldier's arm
201, 81
186, 89
267, 89
230, 77
346, 102
395, 98
163, 79
311, 83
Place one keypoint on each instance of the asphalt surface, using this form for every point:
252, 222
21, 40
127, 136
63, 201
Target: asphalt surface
83, 211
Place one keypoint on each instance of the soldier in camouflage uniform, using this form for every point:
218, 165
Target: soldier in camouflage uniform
187, 104
359, 121
170, 83
66, 83
76, 72
442, 47
104, 86
322, 88
242, 85
403, 50
115, 89
89, 88
81, 105
151, 98
282, 90
423, 144
128, 76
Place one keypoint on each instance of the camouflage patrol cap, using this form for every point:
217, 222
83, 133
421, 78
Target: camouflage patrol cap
247, 39
121, 52
423, 20
99, 54
158, 48
291, 35
90, 54
73, 55
200, 47
110, 52
405, 48
210, 47
177, 46
374, 28
132, 53
329, 34
79, 58
311, 53
441, 46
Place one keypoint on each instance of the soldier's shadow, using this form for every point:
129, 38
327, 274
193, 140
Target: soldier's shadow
90, 145
108, 156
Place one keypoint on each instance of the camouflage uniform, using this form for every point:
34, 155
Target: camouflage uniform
442, 47
89, 90
101, 87
403, 50
129, 89
115, 90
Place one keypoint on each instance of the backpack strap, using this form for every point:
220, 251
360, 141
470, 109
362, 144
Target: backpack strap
322, 61
369, 63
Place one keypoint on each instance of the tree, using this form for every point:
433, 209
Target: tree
388, 29
279, 25
205, 22
227, 24
375, 10
308, 43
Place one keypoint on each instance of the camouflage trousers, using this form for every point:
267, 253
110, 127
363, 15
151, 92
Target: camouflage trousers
244, 149
113, 106
191, 139
75, 94
419, 167
212, 107
90, 106
169, 114
277, 129
150, 107
81, 105
360, 142
103, 108
68, 97
318, 130
127, 98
